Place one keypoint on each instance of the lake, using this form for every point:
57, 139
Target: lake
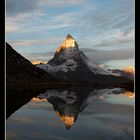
75, 113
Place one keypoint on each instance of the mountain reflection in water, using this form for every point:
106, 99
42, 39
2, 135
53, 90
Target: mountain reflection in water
67, 103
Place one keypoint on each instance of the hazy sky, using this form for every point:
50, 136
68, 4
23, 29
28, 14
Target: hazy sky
104, 29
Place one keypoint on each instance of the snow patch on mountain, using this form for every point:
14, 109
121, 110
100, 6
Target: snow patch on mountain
115, 74
69, 65
93, 66
100, 94
68, 97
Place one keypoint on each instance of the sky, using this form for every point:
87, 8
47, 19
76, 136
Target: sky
103, 29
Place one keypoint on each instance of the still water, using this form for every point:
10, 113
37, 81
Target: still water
70, 114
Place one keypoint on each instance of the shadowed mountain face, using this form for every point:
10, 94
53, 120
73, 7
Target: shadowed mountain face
20, 71
16, 97
71, 65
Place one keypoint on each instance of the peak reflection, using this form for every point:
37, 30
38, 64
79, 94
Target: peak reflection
67, 102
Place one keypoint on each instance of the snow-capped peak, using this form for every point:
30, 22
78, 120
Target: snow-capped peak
69, 42
68, 58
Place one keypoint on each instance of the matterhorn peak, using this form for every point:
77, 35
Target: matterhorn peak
69, 42
69, 37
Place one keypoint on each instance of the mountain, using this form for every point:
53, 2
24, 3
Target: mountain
69, 58
17, 96
21, 71
71, 65
69, 102
38, 62
128, 72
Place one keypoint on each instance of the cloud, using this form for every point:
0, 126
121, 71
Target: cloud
14, 7
17, 23
102, 56
24, 43
12, 27
99, 56
40, 25
104, 66
40, 42
36, 23
39, 56
101, 23
61, 3
118, 39
69, 17
89, 22
25, 16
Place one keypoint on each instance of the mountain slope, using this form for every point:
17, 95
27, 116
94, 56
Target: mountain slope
71, 65
68, 57
128, 72
20, 71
